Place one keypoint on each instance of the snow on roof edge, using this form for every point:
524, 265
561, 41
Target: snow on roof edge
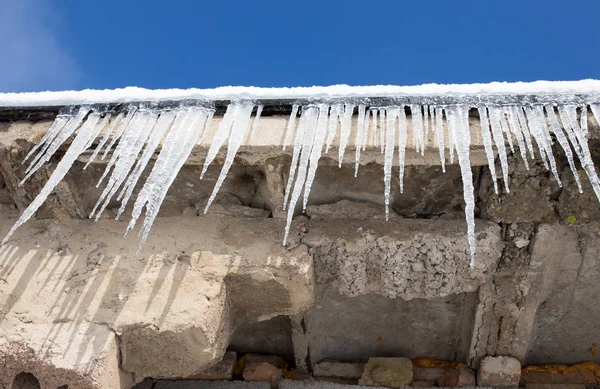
130, 94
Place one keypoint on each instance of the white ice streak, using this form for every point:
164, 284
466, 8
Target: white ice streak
298, 141
583, 151
75, 149
53, 144
307, 145
143, 130
334, 118
126, 155
290, 126
359, 137
564, 143
162, 126
487, 144
315, 154
498, 136
459, 117
187, 128
390, 142
402, 138
439, 132
346, 126
238, 129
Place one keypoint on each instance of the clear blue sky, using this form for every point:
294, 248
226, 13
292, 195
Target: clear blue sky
75, 44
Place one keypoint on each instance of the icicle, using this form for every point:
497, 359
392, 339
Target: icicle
585, 157
487, 144
497, 135
315, 154
366, 131
540, 121
451, 136
334, 117
525, 129
136, 122
53, 145
506, 130
105, 138
311, 123
417, 126
374, 125
459, 116
259, 110
439, 129
75, 149
162, 126
101, 125
127, 153
345, 131
121, 127
567, 115
235, 140
426, 122
57, 125
300, 133
564, 143
209, 119
178, 145
583, 120
390, 142
382, 129
402, 137
290, 126
221, 136
515, 129
359, 136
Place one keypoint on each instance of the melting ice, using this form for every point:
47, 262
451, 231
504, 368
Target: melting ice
140, 132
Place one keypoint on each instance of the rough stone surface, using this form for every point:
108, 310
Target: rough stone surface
568, 306
402, 258
388, 372
427, 374
173, 307
80, 355
499, 372
191, 384
555, 386
221, 371
272, 336
263, 371
345, 370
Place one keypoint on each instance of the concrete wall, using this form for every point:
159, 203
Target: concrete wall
349, 285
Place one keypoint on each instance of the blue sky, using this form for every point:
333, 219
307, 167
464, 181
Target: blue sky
75, 44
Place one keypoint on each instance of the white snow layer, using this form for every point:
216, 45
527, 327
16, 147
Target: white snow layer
140, 130
136, 94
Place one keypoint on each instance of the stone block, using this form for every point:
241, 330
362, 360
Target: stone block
423, 384
427, 374
457, 378
173, 307
192, 384
555, 386
336, 369
499, 372
221, 371
264, 372
389, 372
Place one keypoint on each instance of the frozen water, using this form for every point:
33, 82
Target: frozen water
139, 132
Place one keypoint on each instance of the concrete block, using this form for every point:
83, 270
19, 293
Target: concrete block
388, 372
192, 384
344, 370
221, 371
499, 372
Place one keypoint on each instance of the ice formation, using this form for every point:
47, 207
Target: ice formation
141, 131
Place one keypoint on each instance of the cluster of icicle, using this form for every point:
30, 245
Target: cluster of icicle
141, 132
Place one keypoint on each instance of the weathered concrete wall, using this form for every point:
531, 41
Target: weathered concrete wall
78, 307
